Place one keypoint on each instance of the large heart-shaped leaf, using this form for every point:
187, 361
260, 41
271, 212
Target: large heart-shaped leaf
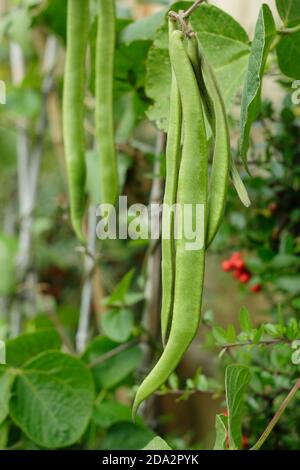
52, 399
24, 347
289, 11
226, 45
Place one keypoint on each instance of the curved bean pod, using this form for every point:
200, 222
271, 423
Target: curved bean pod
192, 189
105, 53
73, 108
173, 156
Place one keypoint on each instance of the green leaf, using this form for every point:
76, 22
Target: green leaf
219, 334
231, 334
126, 436
107, 413
221, 432
8, 251
289, 283
112, 370
157, 443
226, 46
296, 303
6, 382
52, 399
25, 347
4, 430
143, 29
118, 295
245, 321
289, 11
237, 378
117, 324
288, 55
265, 31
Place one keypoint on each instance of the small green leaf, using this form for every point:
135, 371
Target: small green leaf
157, 443
245, 321
231, 334
52, 399
118, 295
219, 334
265, 32
221, 432
237, 379
117, 324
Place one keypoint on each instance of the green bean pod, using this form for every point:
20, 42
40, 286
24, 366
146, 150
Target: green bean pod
105, 54
73, 108
192, 189
173, 156
222, 154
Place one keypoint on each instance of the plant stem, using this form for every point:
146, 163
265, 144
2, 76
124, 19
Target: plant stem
276, 417
287, 31
266, 342
190, 10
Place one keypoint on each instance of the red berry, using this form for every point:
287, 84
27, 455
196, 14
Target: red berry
256, 288
226, 265
244, 441
238, 263
235, 256
237, 273
244, 278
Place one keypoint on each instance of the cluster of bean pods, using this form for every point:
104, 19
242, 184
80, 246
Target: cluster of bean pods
196, 103
78, 24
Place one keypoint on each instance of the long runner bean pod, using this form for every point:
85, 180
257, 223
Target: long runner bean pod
105, 53
173, 155
73, 108
192, 189
222, 154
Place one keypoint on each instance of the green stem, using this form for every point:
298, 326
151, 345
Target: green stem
276, 417
286, 31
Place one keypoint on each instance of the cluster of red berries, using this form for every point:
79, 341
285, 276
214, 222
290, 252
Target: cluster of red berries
236, 265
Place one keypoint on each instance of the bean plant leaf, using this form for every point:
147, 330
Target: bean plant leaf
289, 11
120, 291
109, 368
225, 43
288, 54
52, 399
157, 443
24, 347
142, 29
221, 432
237, 378
6, 382
265, 32
126, 436
117, 324
107, 413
